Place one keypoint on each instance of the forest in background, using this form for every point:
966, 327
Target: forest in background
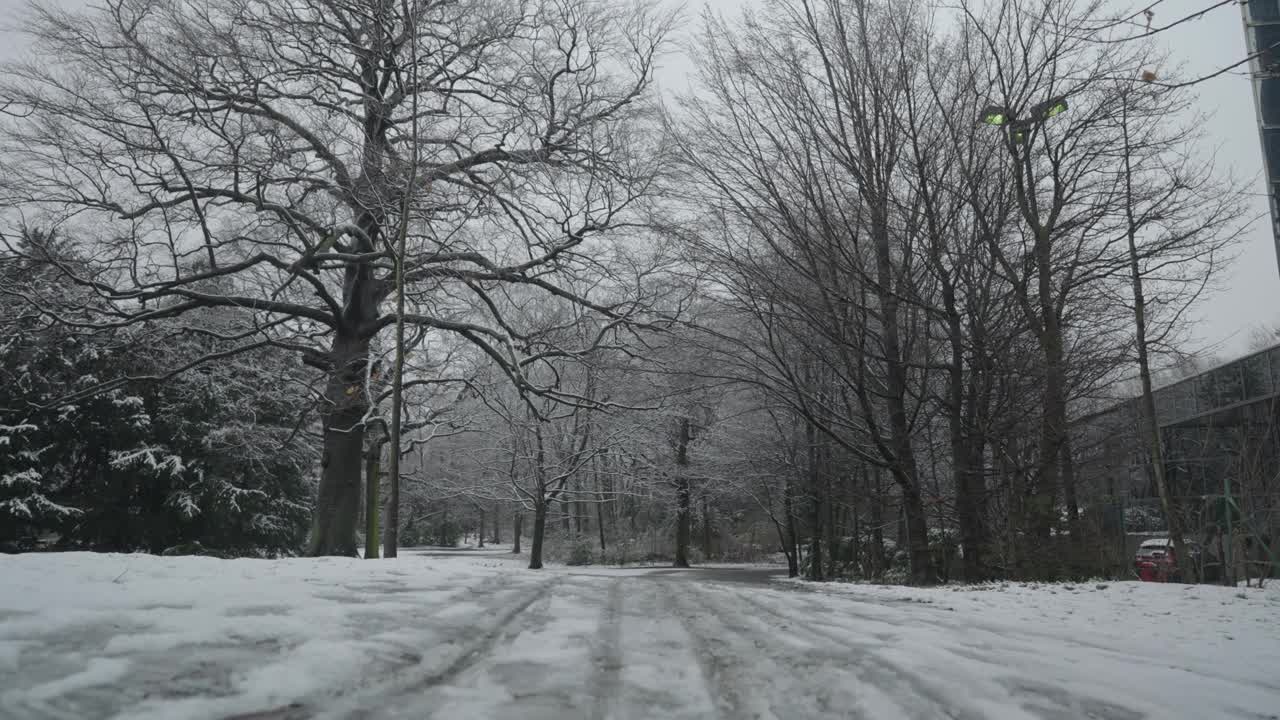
312, 276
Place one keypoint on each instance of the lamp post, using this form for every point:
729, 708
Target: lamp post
1019, 127
1053, 421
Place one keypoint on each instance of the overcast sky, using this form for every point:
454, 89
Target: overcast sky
1250, 287
1250, 294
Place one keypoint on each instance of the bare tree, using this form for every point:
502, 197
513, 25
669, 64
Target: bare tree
794, 133
285, 144
1180, 219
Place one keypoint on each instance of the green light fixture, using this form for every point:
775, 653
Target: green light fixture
1049, 108
995, 115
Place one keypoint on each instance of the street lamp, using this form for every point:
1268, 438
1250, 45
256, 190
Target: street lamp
995, 115
1000, 115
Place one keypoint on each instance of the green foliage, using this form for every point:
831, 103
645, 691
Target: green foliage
210, 456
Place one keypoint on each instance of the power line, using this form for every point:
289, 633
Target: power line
1129, 20
1155, 31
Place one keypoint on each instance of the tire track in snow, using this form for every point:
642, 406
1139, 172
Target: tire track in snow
368, 696
1013, 656
398, 656
862, 657
472, 654
1035, 698
484, 646
940, 615
607, 683
841, 673
724, 668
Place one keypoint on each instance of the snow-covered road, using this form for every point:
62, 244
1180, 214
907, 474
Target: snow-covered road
116, 636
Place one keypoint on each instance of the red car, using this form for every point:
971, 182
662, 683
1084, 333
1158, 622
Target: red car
1155, 560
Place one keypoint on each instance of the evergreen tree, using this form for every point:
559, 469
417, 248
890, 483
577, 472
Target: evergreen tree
213, 456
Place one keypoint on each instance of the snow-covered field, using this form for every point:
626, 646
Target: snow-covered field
472, 635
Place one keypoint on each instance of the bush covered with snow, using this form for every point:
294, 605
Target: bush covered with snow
213, 455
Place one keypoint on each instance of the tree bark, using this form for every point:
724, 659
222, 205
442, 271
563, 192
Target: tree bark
1079, 549
706, 528
599, 502
516, 522
683, 490
333, 528
581, 522
878, 561
966, 462
372, 479
480, 535
918, 538
972, 511
792, 539
815, 505
828, 508
683, 522
539, 531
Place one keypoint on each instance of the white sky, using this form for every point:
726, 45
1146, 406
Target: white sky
1250, 287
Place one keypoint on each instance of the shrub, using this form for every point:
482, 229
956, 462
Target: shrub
581, 553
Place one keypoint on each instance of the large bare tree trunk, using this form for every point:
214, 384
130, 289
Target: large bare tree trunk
792, 538
684, 520
333, 529
539, 532
966, 446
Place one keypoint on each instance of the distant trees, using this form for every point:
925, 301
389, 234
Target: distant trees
274, 144
896, 272
817, 309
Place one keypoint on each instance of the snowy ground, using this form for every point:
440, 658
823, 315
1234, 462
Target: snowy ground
472, 635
